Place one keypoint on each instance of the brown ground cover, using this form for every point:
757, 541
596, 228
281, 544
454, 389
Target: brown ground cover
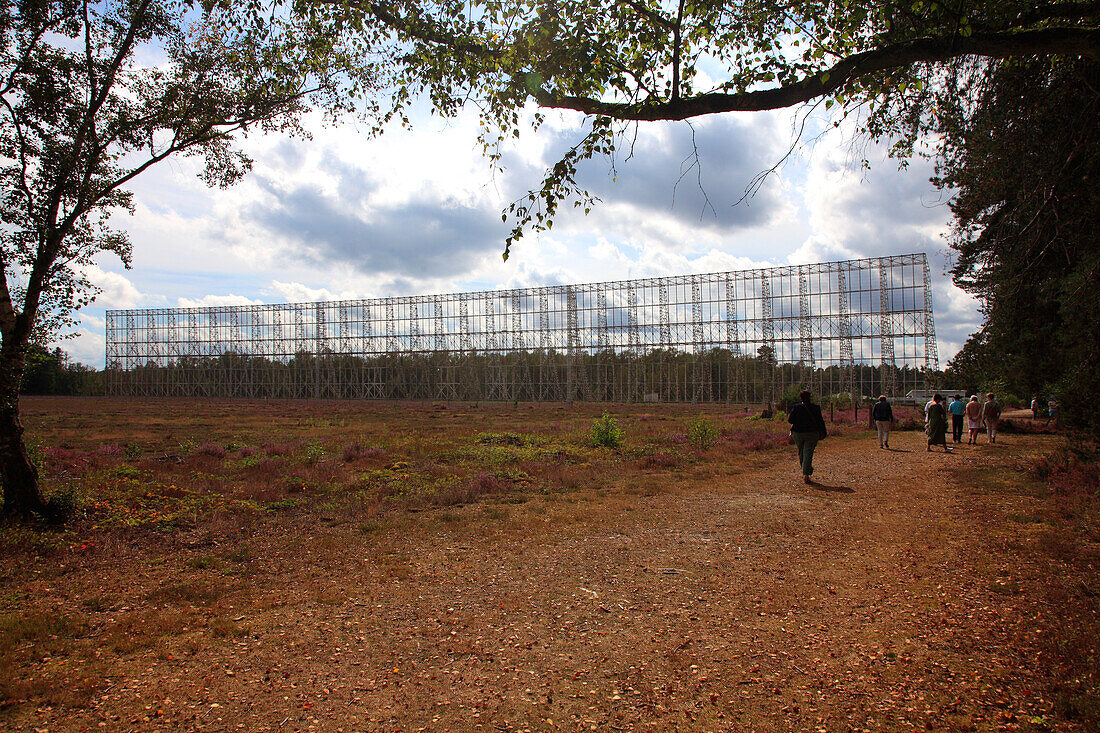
375, 567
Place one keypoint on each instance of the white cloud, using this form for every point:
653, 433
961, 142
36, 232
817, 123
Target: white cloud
214, 301
86, 346
294, 292
116, 290
346, 216
91, 320
604, 250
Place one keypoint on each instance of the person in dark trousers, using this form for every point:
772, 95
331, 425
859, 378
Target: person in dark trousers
937, 424
883, 415
807, 427
957, 408
991, 416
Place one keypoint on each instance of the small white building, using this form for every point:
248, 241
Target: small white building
920, 396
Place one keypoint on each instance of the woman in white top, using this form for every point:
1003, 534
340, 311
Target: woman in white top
973, 419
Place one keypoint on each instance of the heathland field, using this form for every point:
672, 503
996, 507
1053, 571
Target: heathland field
267, 566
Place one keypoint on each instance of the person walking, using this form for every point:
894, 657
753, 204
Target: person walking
1052, 413
991, 415
1035, 407
937, 423
973, 419
957, 408
807, 428
883, 415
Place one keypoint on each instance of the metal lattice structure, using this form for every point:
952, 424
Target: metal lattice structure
857, 327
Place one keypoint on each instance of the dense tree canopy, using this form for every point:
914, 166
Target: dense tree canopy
644, 60
54, 373
1025, 164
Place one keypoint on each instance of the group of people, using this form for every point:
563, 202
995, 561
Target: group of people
977, 416
1052, 410
808, 424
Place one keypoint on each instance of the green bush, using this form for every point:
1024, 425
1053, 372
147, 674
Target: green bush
790, 395
63, 506
702, 433
606, 432
314, 452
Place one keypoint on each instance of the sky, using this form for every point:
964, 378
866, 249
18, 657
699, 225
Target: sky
345, 216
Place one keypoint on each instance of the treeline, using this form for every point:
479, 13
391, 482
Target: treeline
53, 373
1025, 163
608, 376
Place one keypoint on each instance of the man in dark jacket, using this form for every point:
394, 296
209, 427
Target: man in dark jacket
883, 416
807, 427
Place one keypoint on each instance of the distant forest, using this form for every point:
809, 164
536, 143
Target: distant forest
536, 375
54, 373
533, 376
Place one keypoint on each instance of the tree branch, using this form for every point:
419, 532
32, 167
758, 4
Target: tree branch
422, 29
1060, 11
87, 126
23, 55
657, 19
7, 310
676, 51
1059, 41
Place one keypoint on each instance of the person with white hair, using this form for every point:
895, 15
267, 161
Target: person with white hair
973, 419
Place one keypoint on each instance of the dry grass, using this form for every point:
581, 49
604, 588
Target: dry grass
373, 567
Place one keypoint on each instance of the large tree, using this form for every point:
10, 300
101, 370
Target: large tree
628, 61
1025, 163
93, 94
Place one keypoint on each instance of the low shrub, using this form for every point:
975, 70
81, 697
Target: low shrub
477, 485
606, 432
355, 450
1008, 425
314, 452
1074, 469
279, 449
754, 440
702, 433
661, 459
514, 440
211, 449
61, 460
847, 418
62, 506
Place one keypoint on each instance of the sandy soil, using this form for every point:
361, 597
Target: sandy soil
901, 592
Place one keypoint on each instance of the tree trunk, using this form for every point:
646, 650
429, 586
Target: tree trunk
18, 473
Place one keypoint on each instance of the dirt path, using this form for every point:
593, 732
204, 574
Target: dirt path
725, 600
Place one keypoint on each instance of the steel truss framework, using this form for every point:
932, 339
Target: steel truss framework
857, 327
